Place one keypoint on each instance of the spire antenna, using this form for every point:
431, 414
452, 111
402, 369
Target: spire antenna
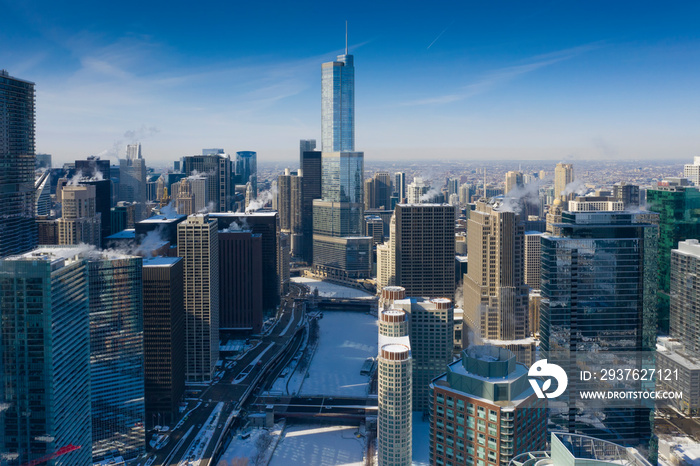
346, 37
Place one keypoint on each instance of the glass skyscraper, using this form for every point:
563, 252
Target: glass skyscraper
247, 169
45, 357
598, 312
17, 160
338, 105
116, 355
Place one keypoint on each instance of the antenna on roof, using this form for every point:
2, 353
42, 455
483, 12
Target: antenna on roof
346, 37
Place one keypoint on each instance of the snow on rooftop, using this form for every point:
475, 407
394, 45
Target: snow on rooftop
319, 445
346, 340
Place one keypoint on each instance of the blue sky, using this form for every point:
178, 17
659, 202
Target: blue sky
457, 80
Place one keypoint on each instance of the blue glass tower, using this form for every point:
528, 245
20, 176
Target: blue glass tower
338, 104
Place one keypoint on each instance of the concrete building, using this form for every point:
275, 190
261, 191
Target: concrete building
495, 294
17, 151
116, 355
424, 249
217, 169
198, 245
484, 411
132, 179
431, 336
374, 228
394, 422
80, 223
378, 191
311, 189
49, 333
628, 194
595, 204
416, 191
692, 171
163, 335
289, 207
563, 175
400, 186
513, 180
531, 259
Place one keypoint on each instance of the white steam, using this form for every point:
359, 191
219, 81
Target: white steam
264, 198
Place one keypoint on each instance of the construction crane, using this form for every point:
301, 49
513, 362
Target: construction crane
61, 451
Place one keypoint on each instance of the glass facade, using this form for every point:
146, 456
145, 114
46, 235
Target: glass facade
598, 307
45, 354
338, 105
17, 160
247, 169
116, 356
342, 174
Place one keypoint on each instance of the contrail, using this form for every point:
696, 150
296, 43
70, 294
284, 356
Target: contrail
440, 35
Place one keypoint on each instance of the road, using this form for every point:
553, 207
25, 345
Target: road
220, 401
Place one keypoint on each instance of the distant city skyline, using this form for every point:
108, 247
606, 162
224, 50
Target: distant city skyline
549, 81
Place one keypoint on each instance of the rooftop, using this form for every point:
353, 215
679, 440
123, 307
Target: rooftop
160, 261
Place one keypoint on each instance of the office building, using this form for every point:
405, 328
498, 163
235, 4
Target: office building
305, 145
484, 411
43, 161
163, 334
378, 191
424, 250
598, 288
42, 195
416, 191
17, 159
628, 194
679, 219
160, 228
531, 259
339, 248
103, 203
289, 207
400, 186
266, 224
563, 175
132, 179
247, 170
386, 259
394, 369
45, 327
80, 223
123, 216
431, 335
374, 228
219, 186
241, 281
685, 295
692, 171
580, 450
47, 230
311, 189
514, 180
116, 355
338, 104
198, 245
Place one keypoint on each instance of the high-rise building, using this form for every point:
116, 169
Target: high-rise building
266, 224
513, 180
241, 281
531, 259
424, 249
132, 179
692, 171
416, 191
378, 191
495, 294
685, 295
43, 161
219, 187
305, 145
116, 355
338, 104
386, 258
484, 411
198, 245
339, 247
42, 195
289, 203
563, 175
598, 287
17, 161
247, 170
679, 219
163, 334
400, 186
80, 223
626, 193
431, 335
103, 203
394, 369
45, 327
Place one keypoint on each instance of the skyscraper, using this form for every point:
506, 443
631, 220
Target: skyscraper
598, 289
378, 191
305, 145
132, 179
513, 180
247, 169
431, 335
45, 327
563, 175
198, 245
80, 223
163, 334
116, 355
495, 294
17, 160
424, 249
400, 186
217, 169
338, 104
289, 202
692, 171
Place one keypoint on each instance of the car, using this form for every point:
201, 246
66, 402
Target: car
199, 426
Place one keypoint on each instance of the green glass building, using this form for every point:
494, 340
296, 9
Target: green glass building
679, 219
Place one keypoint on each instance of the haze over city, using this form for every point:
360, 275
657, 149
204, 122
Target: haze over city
544, 80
